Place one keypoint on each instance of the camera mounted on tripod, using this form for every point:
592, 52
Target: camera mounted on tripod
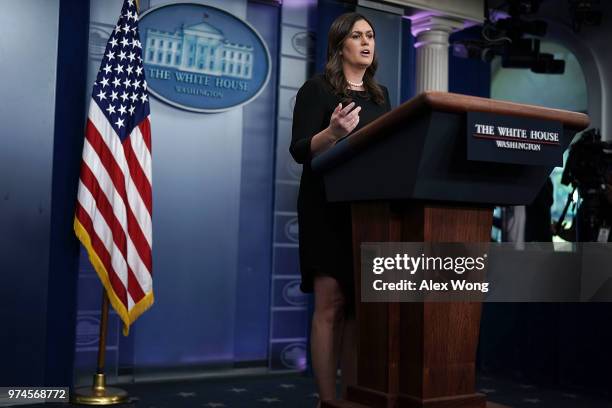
588, 163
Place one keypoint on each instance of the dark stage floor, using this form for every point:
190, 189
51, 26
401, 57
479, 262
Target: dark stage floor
295, 391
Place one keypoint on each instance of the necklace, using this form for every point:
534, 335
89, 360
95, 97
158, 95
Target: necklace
355, 84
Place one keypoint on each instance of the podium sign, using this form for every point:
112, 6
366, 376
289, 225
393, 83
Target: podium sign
514, 140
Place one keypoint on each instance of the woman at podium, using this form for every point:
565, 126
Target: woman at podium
328, 107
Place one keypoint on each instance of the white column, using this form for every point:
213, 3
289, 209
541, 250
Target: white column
431, 45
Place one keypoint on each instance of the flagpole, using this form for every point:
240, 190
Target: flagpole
103, 330
127, 32
99, 393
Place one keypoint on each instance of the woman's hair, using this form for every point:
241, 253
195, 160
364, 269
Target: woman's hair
339, 31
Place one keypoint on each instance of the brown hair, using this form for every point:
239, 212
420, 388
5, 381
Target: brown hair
340, 29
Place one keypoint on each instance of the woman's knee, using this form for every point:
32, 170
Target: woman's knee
331, 314
329, 302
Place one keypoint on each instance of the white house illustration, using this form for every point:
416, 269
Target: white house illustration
199, 48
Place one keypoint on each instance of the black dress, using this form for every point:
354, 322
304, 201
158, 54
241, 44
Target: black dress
324, 228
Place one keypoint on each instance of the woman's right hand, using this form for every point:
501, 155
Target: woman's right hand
344, 120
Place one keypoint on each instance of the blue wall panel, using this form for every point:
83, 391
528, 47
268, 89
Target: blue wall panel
25, 186
286, 261
389, 42
256, 199
290, 323
467, 75
408, 74
41, 59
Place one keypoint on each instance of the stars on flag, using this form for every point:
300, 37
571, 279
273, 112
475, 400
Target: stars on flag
121, 77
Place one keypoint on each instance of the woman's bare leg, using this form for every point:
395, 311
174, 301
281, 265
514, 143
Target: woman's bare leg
327, 322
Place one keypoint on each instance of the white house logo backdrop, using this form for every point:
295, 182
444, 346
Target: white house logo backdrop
201, 58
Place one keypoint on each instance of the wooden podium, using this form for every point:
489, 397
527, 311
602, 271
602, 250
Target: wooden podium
408, 178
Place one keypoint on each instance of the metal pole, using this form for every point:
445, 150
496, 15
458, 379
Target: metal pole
103, 330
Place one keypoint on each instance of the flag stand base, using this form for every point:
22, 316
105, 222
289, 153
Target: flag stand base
99, 393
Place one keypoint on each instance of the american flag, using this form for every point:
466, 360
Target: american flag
113, 211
